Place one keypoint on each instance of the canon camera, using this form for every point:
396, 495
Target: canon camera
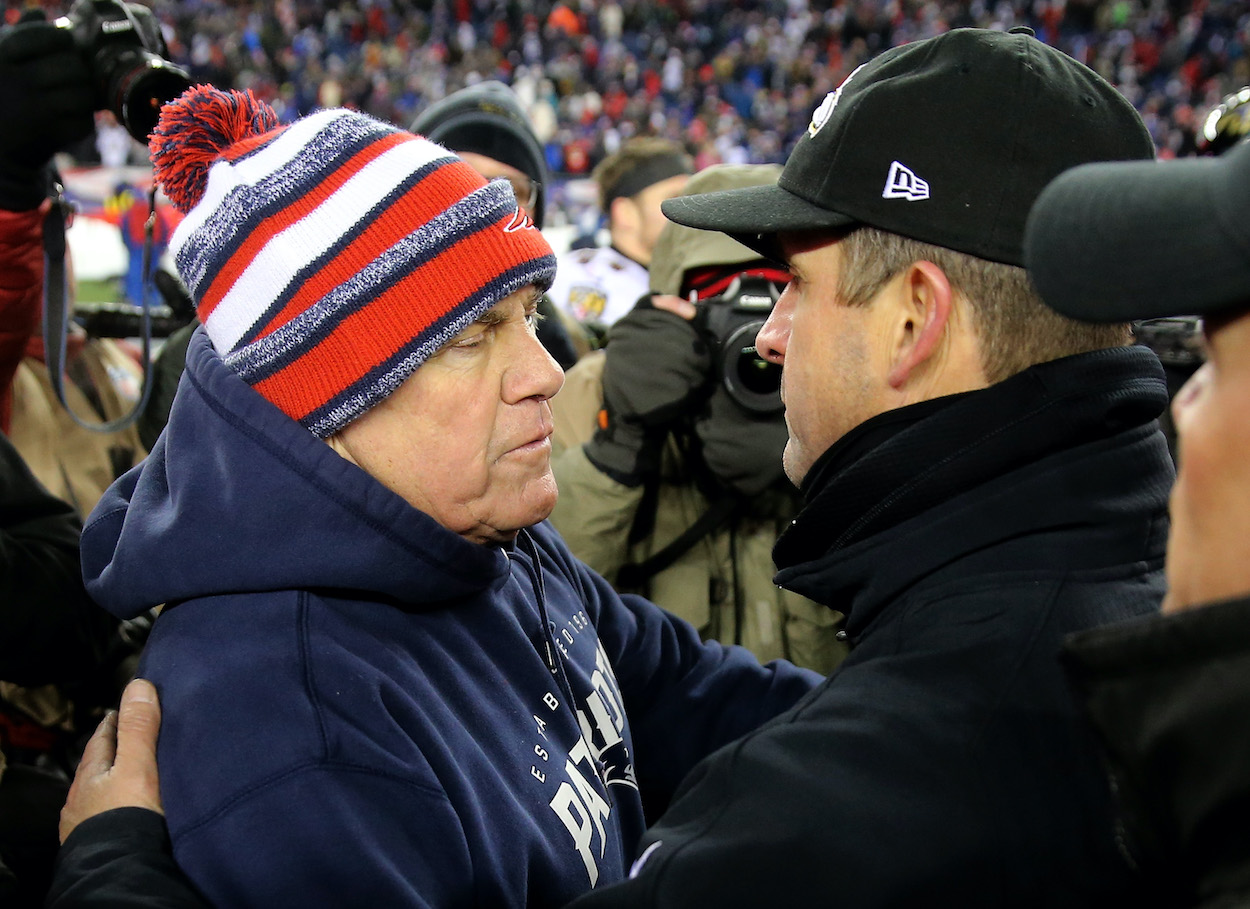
124, 50
731, 322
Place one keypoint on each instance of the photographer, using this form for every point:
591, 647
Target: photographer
66, 658
54, 76
681, 495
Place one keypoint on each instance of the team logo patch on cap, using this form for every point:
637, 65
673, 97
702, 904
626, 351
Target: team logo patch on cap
825, 111
519, 221
902, 183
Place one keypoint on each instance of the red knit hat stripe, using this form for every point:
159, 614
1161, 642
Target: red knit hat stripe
296, 209
303, 252
409, 309
432, 193
478, 211
355, 399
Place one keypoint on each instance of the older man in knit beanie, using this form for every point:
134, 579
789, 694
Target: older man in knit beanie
385, 681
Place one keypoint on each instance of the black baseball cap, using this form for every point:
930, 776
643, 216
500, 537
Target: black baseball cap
948, 140
1145, 240
487, 119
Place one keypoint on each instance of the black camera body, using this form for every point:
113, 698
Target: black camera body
731, 322
1176, 341
125, 320
124, 50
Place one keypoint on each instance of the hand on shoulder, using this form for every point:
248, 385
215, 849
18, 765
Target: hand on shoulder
118, 766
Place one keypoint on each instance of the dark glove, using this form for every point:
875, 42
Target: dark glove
47, 102
742, 450
656, 374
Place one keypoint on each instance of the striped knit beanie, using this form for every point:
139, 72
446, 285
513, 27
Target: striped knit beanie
328, 259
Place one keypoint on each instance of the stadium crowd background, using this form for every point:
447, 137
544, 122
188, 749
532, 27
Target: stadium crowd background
734, 81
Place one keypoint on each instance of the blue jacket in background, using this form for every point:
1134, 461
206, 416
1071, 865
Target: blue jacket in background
362, 708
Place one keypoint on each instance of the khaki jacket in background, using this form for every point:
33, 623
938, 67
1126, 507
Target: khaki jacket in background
595, 513
75, 463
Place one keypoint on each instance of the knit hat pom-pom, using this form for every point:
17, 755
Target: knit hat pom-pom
194, 130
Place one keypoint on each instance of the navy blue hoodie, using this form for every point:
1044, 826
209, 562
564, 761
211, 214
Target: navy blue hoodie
363, 708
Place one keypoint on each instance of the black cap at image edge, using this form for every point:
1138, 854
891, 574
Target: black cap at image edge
1126, 241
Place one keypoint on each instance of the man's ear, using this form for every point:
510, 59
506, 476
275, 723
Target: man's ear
924, 311
623, 214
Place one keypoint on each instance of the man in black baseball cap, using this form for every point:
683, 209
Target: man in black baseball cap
1171, 695
981, 477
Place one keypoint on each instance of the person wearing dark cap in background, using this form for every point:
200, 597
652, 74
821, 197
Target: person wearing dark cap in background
981, 476
385, 681
1170, 695
597, 285
1177, 338
485, 125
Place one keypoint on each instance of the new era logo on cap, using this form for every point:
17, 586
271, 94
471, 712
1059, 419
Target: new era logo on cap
902, 183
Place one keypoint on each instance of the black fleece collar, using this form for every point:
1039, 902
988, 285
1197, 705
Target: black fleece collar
900, 465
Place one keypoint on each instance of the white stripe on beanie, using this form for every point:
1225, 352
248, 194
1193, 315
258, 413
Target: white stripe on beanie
467, 216
290, 251
274, 174
225, 176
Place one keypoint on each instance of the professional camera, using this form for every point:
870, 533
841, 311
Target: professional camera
125, 320
124, 50
731, 322
1176, 341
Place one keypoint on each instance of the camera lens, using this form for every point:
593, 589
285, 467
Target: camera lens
753, 382
139, 83
122, 45
757, 375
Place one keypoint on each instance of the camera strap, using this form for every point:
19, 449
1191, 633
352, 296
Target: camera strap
633, 575
56, 310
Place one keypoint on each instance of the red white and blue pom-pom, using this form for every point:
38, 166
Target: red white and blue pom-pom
194, 130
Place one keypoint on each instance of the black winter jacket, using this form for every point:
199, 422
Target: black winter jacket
1170, 697
945, 762
50, 631
121, 859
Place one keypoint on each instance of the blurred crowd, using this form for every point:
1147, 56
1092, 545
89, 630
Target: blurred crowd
735, 82
411, 592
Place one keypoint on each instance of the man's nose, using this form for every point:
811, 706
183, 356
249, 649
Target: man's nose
774, 335
536, 374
